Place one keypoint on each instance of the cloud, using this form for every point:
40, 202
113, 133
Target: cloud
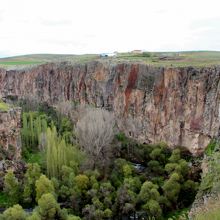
1, 15
86, 26
208, 23
4, 53
56, 22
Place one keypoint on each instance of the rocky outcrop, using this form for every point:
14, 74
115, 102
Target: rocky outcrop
209, 191
10, 140
179, 106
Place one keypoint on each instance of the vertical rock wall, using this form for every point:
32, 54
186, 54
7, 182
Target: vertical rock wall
10, 140
179, 106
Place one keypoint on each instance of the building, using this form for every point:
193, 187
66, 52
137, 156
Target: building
137, 51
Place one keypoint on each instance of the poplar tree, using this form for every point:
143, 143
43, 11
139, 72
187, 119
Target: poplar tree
59, 153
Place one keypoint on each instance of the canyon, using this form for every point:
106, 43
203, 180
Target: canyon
176, 105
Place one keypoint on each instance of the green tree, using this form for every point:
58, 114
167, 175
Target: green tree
33, 125
175, 156
12, 187
125, 200
14, 213
43, 185
48, 208
133, 183
72, 217
153, 209
157, 154
148, 191
82, 181
172, 187
59, 154
127, 170
150, 198
34, 216
32, 174
155, 166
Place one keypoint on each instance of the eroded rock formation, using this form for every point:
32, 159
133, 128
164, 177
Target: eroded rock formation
179, 106
10, 140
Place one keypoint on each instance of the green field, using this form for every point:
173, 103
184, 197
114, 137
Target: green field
167, 59
22, 62
176, 59
37, 59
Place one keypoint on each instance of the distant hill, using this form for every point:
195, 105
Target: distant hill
186, 58
36, 59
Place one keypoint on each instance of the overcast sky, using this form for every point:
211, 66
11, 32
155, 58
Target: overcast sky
94, 26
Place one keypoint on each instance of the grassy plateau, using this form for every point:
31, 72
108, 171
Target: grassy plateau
166, 59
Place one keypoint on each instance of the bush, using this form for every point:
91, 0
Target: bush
48, 207
152, 208
82, 181
31, 175
14, 213
172, 187
12, 187
210, 147
43, 185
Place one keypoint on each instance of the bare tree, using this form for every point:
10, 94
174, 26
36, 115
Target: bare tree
73, 111
95, 132
65, 108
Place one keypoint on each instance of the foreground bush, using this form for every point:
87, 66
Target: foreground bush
14, 213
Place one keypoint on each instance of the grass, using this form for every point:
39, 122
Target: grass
22, 62
209, 211
4, 203
210, 215
34, 157
175, 59
178, 215
166, 59
37, 59
3, 106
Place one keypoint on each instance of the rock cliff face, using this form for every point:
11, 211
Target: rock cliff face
10, 140
179, 106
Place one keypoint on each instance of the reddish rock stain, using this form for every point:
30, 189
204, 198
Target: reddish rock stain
131, 84
81, 84
120, 70
196, 124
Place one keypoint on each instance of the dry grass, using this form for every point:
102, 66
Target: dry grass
209, 211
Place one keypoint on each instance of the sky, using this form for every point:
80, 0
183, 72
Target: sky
96, 26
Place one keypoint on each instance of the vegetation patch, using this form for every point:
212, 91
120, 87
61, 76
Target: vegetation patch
91, 172
3, 106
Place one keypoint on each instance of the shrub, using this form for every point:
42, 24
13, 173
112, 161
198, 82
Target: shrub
82, 181
152, 208
14, 213
48, 207
43, 185
12, 187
